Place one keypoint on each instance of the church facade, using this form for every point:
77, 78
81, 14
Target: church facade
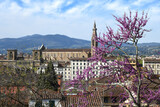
66, 54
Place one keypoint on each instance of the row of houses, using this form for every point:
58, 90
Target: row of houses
95, 96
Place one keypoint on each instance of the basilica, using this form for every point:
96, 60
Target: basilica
66, 61
65, 54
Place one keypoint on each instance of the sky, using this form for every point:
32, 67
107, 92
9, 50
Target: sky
74, 18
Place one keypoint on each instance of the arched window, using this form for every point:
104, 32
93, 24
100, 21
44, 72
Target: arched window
36, 55
10, 56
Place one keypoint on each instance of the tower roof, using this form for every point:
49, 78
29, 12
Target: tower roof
94, 25
94, 30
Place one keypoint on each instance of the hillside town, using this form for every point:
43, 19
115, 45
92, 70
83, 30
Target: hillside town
21, 90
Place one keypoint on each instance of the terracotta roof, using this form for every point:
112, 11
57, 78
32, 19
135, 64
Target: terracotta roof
110, 57
92, 99
113, 91
63, 64
10, 96
46, 94
78, 58
150, 84
66, 50
152, 60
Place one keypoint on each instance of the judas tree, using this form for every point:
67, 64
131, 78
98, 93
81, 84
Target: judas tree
134, 80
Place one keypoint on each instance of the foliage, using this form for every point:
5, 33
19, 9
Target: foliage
48, 80
15, 85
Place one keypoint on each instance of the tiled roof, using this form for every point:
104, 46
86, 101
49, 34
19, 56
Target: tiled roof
92, 99
113, 91
154, 84
78, 58
152, 60
63, 64
14, 95
46, 94
66, 50
110, 57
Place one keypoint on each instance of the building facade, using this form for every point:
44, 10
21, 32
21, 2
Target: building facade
152, 64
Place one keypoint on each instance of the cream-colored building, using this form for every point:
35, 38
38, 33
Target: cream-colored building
152, 63
64, 59
66, 54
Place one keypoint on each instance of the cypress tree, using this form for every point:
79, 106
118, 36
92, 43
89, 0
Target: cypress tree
48, 80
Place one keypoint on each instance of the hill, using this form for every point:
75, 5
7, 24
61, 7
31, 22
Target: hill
28, 43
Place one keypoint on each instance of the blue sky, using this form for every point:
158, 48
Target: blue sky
74, 18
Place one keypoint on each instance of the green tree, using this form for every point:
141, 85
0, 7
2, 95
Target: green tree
48, 80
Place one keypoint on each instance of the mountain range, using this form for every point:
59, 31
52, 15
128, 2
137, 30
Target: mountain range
30, 42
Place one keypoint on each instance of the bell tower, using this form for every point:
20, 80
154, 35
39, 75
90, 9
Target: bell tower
94, 43
12, 54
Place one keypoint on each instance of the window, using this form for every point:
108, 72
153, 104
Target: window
38, 104
114, 99
51, 103
96, 72
105, 99
77, 63
54, 54
158, 71
68, 55
73, 72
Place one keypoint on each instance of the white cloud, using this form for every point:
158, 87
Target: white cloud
69, 2
118, 6
30, 11
26, 1
57, 4
142, 2
14, 7
46, 17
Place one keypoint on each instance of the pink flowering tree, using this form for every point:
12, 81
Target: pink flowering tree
133, 79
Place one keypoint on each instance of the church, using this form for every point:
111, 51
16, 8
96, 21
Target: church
65, 54
43, 55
